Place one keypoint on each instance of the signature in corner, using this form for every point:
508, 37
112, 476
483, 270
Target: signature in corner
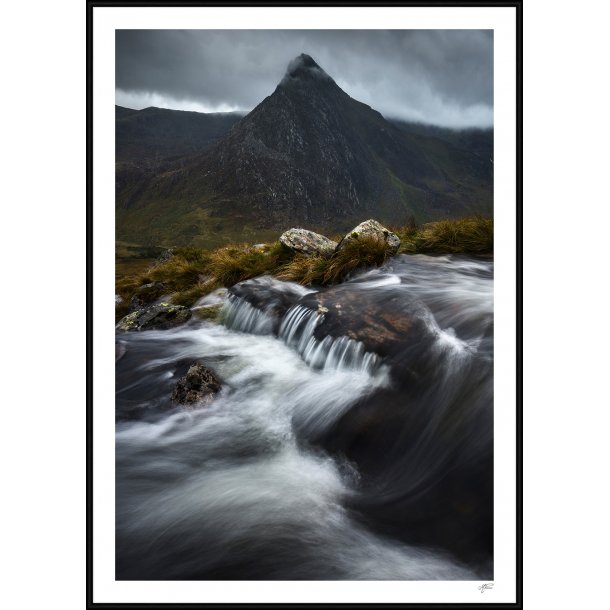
487, 585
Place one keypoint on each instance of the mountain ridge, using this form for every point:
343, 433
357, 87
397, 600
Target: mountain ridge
307, 154
158, 133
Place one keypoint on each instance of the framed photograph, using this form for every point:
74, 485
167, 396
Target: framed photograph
304, 305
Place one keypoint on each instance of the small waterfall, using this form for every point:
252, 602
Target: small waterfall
340, 353
238, 314
297, 331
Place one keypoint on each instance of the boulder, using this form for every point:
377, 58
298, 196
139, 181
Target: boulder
155, 317
308, 242
146, 294
373, 229
389, 322
198, 386
135, 303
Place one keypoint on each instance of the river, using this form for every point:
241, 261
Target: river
352, 438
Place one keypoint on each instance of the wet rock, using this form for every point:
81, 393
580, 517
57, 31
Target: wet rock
270, 295
371, 228
209, 306
387, 322
197, 387
146, 294
308, 242
208, 312
135, 303
155, 317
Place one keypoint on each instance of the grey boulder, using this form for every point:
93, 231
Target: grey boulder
371, 228
308, 242
197, 387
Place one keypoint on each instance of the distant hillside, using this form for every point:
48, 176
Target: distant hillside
153, 134
478, 141
307, 155
121, 113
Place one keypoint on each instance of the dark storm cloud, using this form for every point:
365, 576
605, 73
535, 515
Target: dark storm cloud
443, 77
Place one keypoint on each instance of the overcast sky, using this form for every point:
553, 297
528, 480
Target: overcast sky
443, 77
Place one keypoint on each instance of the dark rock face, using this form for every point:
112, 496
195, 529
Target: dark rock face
155, 317
197, 387
307, 153
311, 153
308, 242
371, 228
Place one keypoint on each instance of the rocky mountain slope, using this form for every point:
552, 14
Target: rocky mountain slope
308, 155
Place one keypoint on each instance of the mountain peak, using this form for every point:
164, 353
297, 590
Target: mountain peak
307, 154
304, 67
302, 62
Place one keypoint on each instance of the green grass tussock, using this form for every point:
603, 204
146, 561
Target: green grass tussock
472, 235
237, 263
364, 252
192, 272
303, 269
177, 273
191, 295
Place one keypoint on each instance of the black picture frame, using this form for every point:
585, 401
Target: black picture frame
90, 314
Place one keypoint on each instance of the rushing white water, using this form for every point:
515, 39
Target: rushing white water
234, 474
340, 353
237, 490
238, 314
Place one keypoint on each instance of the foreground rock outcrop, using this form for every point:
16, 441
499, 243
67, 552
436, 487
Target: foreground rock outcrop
308, 242
197, 387
372, 228
155, 317
388, 322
